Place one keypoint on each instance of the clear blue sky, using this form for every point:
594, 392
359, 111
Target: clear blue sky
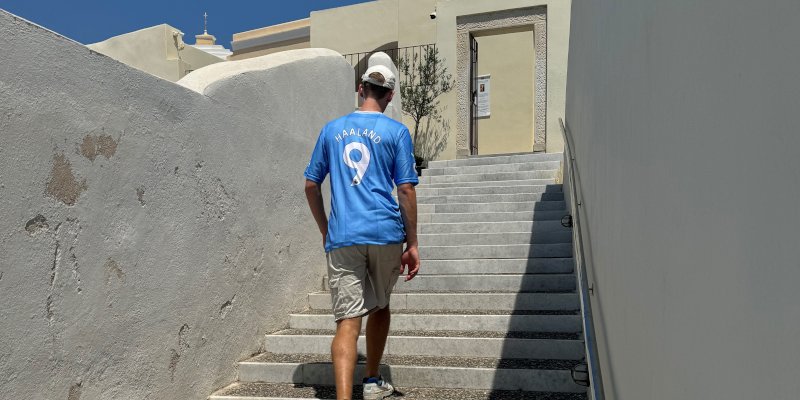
89, 21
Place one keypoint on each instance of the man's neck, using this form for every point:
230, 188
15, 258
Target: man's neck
370, 105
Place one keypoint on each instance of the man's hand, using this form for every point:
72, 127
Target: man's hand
410, 260
407, 197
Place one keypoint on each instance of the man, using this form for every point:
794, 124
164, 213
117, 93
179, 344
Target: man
366, 155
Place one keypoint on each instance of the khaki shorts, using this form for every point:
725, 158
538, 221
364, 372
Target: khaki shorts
361, 278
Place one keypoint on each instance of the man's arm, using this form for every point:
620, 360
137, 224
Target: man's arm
315, 203
407, 196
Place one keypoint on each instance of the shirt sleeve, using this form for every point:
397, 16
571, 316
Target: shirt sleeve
317, 168
405, 170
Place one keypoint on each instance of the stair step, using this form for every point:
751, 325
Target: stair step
451, 322
440, 372
481, 282
497, 159
479, 198
487, 207
489, 177
493, 223
481, 184
401, 345
494, 168
466, 301
499, 266
426, 190
523, 218
453, 334
457, 239
273, 391
543, 283
545, 205
495, 251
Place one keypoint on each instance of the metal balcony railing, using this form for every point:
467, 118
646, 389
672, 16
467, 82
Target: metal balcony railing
410, 54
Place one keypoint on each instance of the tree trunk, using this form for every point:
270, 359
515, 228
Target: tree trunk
416, 134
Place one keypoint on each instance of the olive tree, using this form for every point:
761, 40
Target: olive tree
425, 79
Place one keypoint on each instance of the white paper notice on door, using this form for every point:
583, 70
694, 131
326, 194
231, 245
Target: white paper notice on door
484, 101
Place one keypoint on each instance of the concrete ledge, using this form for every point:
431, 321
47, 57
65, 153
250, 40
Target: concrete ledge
284, 36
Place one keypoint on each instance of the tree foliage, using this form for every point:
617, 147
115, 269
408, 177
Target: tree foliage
425, 78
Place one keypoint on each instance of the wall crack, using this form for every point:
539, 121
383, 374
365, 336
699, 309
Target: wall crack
140, 195
173, 364
226, 307
182, 333
75, 391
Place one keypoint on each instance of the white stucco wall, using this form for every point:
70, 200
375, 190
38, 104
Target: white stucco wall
151, 234
685, 121
156, 51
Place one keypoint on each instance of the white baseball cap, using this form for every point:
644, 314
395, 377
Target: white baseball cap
388, 81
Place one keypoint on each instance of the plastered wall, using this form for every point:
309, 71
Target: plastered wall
360, 28
152, 232
684, 115
415, 26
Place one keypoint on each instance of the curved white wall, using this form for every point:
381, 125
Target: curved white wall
151, 234
685, 118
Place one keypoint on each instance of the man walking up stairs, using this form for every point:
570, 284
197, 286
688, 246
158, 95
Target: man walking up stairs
493, 313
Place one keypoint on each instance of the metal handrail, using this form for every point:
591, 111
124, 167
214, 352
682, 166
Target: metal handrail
585, 288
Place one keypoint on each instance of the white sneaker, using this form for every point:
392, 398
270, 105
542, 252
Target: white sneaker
377, 388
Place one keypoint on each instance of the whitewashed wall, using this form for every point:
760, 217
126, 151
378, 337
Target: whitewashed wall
151, 235
685, 116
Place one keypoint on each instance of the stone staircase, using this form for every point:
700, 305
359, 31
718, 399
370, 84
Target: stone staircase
493, 314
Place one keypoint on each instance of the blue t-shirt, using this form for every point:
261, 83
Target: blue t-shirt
366, 154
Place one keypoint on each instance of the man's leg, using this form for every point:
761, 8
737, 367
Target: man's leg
345, 355
377, 331
383, 270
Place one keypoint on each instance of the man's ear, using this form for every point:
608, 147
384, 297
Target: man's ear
389, 96
361, 90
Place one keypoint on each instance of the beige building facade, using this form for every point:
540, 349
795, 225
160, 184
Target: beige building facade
158, 50
272, 39
522, 47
